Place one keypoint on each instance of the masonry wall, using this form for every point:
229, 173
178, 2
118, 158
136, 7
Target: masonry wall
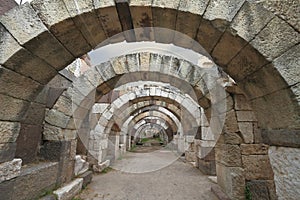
6, 5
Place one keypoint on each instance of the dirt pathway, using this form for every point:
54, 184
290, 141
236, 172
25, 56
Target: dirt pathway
178, 181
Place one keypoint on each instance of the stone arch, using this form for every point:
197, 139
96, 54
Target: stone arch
253, 54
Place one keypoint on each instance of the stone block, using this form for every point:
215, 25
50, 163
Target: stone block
12, 109
64, 105
219, 193
28, 142
257, 167
34, 36
52, 95
187, 31
207, 167
260, 189
272, 44
87, 178
287, 65
87, 22
81, 166
254, 149
29, 65
228, 46
18, 86
34, 180
101, 166
57, 118
231, 125
164, 15
229, 155
35, 114
283, 116
53, 133
56, 17
9, 131
232, 181
209, 33
262, 82
70, 190
222, 9
285, 164
10, 169
247, 131
241, 103
7, 152
108, 15
248, 27
245, 116
6, 189
245, 63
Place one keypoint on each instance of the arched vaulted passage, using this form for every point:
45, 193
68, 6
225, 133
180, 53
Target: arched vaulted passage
256, 43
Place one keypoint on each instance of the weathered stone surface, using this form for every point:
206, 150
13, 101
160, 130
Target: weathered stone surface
245, 63
188, 10
35, 114
28, 142
287, 138
221, 9
264, 81
141, 14
81, 166
64, 105
35, 180
6, 189
286, 167
12, 109
87, 178
232, 181
87, 22
70, 190
164, 15
254, 149
257, 167
247, 131
272, 44
209, 34
245, 116
56, 17
108, 15
7, 152
229, 155
10, 169
55, 133
7, 40
248, 27
228, 46
32, 33
261, 189
288, 65
101, 166
285, 108
231, 125
219, 193
9, 131
207, 167
48, 197
287, 10
57, 118
241, 103
17, 86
